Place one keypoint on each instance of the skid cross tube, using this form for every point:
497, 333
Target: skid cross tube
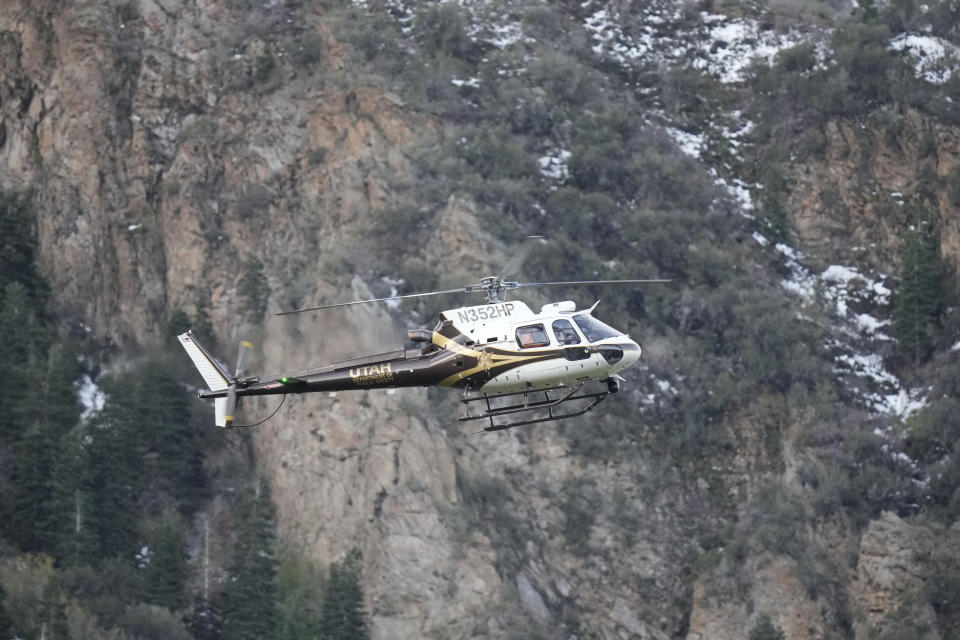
528, 406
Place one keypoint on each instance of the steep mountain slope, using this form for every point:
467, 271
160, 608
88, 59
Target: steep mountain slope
778, 452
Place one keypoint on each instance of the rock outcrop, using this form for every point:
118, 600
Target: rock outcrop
774, 590
904, 159
897, 561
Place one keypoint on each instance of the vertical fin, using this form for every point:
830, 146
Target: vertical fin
211, 371
220, 410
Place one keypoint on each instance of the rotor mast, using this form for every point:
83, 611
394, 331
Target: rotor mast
495, 288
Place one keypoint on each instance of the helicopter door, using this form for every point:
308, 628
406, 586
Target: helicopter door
566, 335
565, 332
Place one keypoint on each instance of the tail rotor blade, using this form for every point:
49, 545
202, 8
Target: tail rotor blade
242, 356
231, 405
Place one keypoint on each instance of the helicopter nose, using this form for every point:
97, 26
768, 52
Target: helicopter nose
631, 354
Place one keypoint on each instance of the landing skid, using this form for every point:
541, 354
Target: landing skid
563, 395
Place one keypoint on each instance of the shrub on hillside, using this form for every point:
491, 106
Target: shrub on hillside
442, 29
150, 622
253, 201
764, 629
773, 521
494, 154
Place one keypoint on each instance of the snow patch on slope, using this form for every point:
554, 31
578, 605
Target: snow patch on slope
554, 164
91, 397
716, 44
858, 338
734, 44
689, 143
933, 58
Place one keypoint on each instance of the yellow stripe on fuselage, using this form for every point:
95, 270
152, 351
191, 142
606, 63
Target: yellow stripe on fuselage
485, 359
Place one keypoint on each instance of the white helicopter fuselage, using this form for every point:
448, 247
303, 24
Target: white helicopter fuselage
485, 350
498, 350
514, 349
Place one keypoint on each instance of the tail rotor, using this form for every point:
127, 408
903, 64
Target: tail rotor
242, 356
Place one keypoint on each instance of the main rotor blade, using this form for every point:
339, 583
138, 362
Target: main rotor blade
516, 261
409, 295
585, 282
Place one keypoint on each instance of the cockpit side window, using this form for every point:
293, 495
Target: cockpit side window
532, 335
565, 332
593, 329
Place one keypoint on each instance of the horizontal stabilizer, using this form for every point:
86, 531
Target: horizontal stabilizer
210, 370
220, 410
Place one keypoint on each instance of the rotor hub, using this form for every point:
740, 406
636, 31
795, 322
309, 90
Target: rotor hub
495, 288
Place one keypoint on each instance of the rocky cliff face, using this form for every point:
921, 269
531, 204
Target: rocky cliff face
168, 144
896, 562
148, 134
898, 159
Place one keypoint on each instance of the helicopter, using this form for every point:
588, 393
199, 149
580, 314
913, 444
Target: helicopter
519, 367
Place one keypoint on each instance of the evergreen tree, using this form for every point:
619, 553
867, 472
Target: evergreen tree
143, 438
177, 323
116, 460
56, 399
173, 446
301, 587
24, 348
204, 620
18, 247
765, 629
250, 596
53, 614
773, 218
202, 326
32, 475
71, 525
863, 67
919, 298
165, 577
51, 409
23, 295
23, 359
867, 10
343, 616
6, 625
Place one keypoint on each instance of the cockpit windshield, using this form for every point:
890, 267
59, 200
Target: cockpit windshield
593, 329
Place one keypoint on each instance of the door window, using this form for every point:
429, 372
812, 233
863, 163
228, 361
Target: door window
565, 332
